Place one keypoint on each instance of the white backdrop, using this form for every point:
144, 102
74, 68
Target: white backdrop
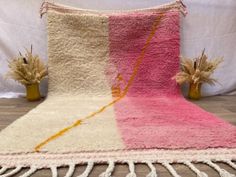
210, 24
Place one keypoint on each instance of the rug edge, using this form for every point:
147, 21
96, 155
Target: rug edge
166, 158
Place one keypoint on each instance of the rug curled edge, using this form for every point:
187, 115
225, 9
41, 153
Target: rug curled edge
52, 161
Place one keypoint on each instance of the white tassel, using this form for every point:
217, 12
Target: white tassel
70, 171
54, 171
171, 169
29, 172
233, 165
153, 172
195, 170
131, 169
14, 171
2, 170
222, 172
109, 170
88, 169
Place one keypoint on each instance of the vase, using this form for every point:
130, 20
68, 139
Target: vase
194, 91
32, 92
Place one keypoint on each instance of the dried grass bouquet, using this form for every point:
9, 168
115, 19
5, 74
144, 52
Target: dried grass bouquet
197, 71
27, 69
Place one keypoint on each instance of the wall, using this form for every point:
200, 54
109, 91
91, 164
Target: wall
210, 24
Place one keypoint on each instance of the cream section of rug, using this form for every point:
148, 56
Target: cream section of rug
56, 113
77, 87
76, 65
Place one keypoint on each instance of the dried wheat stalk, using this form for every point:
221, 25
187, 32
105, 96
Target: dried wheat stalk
198, 70
27, 69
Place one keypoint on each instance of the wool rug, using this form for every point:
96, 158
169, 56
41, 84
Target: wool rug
111, 99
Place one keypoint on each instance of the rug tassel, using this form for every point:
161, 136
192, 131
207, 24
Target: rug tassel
171, 169
2, 170
70, 170
153, 172
109, 170
194, 169
222, 172
29, 172
87, 170
131, 169
14, 171
43, 9
182, 7
230, 163
54, 171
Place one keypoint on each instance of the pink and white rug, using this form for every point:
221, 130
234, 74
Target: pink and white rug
111, 99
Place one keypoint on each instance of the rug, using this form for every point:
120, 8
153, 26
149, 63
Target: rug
111, 99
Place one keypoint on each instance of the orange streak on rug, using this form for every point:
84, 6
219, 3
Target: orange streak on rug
103, 108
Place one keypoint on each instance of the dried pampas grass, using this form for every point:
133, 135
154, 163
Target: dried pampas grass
197, 71
27, 69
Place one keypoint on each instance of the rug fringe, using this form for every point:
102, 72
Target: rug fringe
109, 170
2, 170
70, 171
131, 169
32, 170
54, 171
88, 169
46, 5
12, 172
171, 169
222, 172
153, 172
230, 163
9, 171
194, 169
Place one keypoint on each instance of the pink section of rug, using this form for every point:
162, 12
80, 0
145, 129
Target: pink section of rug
154, 114
161, 58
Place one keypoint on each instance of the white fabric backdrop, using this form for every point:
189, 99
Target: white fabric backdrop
210, 24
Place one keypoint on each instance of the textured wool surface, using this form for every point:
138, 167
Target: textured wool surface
154, 114
113, 72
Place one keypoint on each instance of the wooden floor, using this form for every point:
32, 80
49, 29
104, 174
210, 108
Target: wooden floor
223, 106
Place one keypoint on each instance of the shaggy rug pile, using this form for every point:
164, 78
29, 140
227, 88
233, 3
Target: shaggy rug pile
112, 100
